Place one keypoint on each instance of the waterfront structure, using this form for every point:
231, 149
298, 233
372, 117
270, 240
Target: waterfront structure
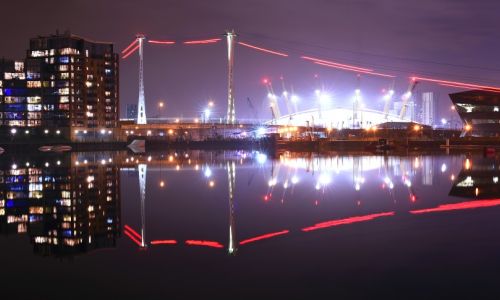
428, 108
479, 110
66, 86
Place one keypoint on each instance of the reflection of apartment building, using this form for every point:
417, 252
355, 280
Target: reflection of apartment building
66, 86
65, 210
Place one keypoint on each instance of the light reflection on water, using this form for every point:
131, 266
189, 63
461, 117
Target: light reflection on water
71, 204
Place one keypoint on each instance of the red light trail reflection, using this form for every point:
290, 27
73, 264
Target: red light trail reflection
204, 243
132, 238
163, 242
137, 235
458, 206
346, 221
263, 237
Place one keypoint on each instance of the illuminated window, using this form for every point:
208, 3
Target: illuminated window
34, 84
38, 53
19, 66
63, 68
63, 91
64, 75
34, 99
34, 107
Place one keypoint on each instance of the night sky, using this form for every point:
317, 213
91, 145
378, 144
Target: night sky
446, 39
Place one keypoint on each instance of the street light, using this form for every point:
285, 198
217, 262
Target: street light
160, 107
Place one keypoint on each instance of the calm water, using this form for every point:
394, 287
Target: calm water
244, 225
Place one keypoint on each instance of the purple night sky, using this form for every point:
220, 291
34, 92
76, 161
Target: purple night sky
446, 39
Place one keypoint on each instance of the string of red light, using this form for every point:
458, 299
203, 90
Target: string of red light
263, 237
353, 70
161, 42
458, 84
263, 49
134, 46
130, 46
198, 42
130, 52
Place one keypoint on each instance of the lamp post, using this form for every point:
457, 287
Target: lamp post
160, 107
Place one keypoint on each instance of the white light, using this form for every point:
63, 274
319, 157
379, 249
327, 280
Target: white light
76, 131
357, 91
13, 131
46, 131
295, 179
443, 168
324, 179
261, 131
103, 162
27, 164
46, 164
27, 132
90, 179
285, 93
103, 131
317, 186
272, 182
207, 172
58, 131
407, 95
149, 158
495, 109
495, 179
85, 131
207, 113
109, 132
85, 161
443, 121
295, 98
261, 158
317, 92
357, 186
58, 162
14, 166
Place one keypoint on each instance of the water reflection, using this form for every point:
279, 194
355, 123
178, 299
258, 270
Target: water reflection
65, 209
69, 204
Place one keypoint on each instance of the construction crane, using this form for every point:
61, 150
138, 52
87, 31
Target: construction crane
273, 100
407, 96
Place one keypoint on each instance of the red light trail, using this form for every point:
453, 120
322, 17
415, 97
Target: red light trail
465, 87
345, 221
204, 243
131, 51
197, 42
459, 206
263, 237
132, 238
459, 84
132, 231
130, 46
161, 42
354, 70
359, 69
263, 49
163, 242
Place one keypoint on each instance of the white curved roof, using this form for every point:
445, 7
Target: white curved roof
337, 118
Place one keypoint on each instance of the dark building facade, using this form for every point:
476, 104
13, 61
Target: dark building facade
479, 110
66, 86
